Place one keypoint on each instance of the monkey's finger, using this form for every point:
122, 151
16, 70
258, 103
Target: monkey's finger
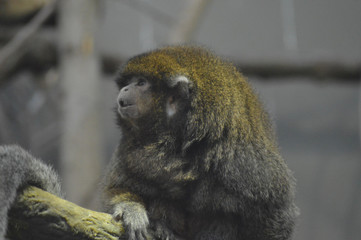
131, 235
118, 216
118, 213
141, 235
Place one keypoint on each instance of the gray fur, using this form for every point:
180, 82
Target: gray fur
19, 168
134, 217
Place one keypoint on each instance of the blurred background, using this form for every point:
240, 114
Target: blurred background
58, 60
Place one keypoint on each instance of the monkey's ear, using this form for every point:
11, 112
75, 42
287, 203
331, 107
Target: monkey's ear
180, 85
180, 91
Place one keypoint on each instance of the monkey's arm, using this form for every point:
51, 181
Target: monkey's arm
129, 208
18, 168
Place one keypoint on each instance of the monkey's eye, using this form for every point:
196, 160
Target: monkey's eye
141, 82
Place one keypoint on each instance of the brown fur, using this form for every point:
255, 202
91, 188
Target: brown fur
211, 171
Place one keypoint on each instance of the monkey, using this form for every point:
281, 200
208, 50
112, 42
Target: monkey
19, 168
198, 158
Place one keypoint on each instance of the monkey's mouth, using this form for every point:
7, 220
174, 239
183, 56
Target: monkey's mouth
124, 103
127, 109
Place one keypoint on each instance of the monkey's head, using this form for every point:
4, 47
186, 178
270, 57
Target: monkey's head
191, 89
151, 103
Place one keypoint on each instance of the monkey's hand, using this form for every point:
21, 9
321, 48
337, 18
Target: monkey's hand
134, 217
162, 232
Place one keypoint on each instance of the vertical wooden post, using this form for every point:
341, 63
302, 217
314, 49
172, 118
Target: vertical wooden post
80, 76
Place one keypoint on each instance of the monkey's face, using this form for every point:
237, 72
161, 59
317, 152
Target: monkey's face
135, 98
146, 101
139, 96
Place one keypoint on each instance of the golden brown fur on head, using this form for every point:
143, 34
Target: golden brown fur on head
222, 100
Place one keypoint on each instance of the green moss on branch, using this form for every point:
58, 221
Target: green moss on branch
39, 215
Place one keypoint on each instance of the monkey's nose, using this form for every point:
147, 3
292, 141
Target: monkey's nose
124, 89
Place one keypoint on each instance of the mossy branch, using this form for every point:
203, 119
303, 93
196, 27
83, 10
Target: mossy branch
37, 214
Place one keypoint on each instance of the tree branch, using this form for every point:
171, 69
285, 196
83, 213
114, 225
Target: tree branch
148, 9
10, 53
42, 54
185, 28
37, 214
